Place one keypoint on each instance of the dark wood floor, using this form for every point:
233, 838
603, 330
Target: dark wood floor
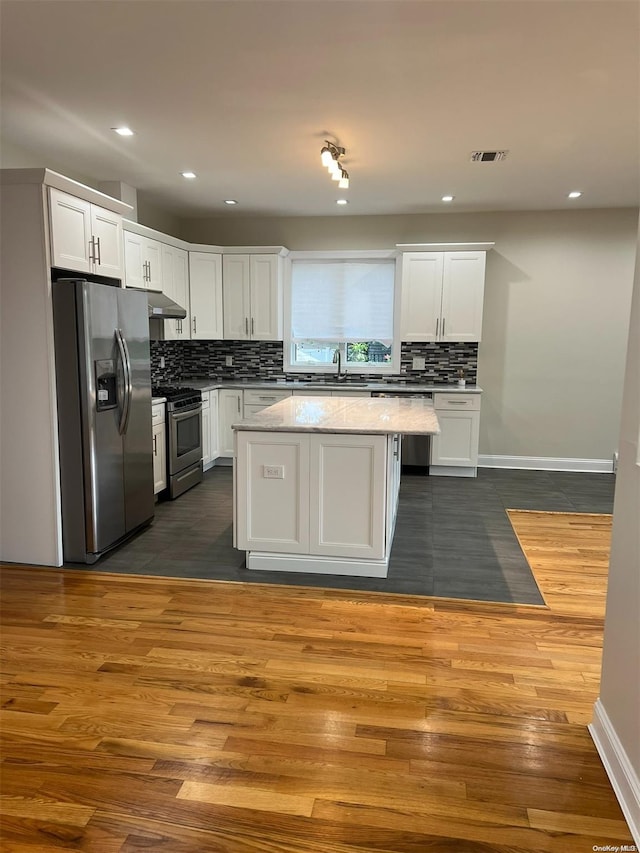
195, 716
453, 536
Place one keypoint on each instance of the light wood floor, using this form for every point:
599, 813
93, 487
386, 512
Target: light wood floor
182, 716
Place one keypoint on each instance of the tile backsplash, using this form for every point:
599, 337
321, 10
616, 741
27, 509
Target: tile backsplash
184, 360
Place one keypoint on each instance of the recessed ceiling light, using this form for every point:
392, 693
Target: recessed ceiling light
230, 201
574, 194
123, 131
342, 201
188, 174
447, 198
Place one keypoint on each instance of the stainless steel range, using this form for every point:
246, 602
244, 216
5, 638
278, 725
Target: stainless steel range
184, 437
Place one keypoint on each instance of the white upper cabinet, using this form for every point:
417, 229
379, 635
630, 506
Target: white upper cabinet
462, 296
252, 297
421, 295
442, 296
175, 285
143, 261
205, 284
84, 237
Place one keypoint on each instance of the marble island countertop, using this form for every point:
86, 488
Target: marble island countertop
361, 415
329, 385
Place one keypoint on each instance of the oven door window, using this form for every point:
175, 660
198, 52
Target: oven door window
188, 435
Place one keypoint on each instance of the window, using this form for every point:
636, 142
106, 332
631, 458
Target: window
345, 306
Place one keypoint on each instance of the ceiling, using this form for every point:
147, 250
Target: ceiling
244, 93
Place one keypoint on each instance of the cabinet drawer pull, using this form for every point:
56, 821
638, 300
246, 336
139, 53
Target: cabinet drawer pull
458, 402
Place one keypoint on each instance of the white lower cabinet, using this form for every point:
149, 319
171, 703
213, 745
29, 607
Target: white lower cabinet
313, 392
159, 437
206, 431
214, 429
210, 429
323, 495
229, 412
454, 452
257, 399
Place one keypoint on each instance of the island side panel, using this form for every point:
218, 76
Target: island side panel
348, 496
272, 492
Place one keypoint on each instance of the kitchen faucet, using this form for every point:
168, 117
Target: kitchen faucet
337, 357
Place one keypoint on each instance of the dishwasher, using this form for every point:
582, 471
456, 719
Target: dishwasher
416, 449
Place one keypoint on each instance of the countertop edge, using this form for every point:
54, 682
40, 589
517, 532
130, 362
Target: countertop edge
378, 387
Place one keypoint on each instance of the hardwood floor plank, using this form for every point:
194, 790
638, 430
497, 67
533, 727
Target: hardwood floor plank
244, 797
180, 716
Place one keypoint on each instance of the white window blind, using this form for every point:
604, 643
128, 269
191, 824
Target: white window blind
342, 300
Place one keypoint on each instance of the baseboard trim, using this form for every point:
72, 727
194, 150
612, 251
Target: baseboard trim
546, 463
359, 568
623, 778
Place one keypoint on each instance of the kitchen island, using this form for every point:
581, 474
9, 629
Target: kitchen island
316, 482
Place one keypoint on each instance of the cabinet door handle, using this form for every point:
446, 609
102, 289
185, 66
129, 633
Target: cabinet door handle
437, 325
246, 325
99, 258
155, 445
92, 256
194, 325
238, 404
443, 319
252, 325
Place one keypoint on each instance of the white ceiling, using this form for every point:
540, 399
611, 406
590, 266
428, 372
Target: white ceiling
244, 92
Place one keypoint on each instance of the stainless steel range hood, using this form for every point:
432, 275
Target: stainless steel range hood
163, 308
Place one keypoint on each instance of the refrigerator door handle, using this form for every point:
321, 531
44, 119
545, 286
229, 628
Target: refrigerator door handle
126, 365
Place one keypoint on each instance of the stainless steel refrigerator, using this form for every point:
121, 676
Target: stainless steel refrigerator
104, 415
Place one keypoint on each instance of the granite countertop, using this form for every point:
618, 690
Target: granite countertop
361, 415
318, 385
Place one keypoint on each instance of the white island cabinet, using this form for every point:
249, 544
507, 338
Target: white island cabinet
316, 482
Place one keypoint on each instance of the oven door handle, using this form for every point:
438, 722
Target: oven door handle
128, 390
183, 414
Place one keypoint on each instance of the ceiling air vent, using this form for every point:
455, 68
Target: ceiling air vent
488, 156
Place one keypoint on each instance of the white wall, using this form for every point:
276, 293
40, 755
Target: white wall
616, 726
557, 298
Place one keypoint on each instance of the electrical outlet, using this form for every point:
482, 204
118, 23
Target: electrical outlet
228, 360
419, 362
161, 362
274, 472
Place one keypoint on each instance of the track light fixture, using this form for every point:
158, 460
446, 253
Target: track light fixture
330, 155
